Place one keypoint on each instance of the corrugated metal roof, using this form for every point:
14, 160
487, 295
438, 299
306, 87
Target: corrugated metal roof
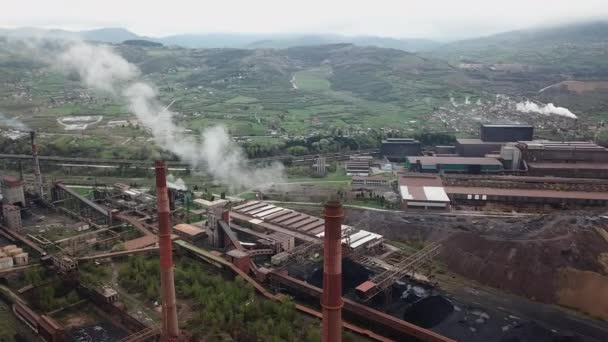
527, 193
436, 194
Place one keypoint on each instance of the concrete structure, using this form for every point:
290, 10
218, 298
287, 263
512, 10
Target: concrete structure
21, 259
320, 166
506, 133
453, 164
476, 147
64, 263
15, 251
240, 259
357, 167
511, 156
81, 226
203, 203
189, 232
11, 216
109, 294
422, 192
371, 181
12, 191
6, 249
396, 149
169, 327
331, 300
5, 263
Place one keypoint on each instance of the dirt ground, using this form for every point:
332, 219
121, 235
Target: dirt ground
518, 253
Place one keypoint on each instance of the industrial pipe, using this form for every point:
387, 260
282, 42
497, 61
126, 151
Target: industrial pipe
170, 330
331, 301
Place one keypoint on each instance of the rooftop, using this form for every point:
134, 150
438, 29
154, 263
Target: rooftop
189, 229
11, 181
476, 142
508, 125
568, 166
585, 195
454, 160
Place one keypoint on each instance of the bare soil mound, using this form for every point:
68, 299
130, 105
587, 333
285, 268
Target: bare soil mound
527, 268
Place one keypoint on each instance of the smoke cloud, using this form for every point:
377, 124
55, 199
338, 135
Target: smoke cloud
548, 109
12, 123
176, 183
102, 69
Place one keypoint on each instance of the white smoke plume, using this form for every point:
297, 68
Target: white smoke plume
176, 183
548, 109
12, 123
102, 69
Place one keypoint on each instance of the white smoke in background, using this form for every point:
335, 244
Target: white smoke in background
453, 101
176, 183
12, 123
548, 109
467, 100
102, 69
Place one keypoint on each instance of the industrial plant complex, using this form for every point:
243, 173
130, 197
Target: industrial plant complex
352, 276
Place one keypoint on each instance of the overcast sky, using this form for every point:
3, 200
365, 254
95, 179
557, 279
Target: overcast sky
396, 18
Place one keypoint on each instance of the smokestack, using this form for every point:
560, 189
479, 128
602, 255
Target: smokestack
36, 165
170, 330
331, 301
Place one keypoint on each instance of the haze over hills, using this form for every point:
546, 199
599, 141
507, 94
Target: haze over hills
226, 40
580, 47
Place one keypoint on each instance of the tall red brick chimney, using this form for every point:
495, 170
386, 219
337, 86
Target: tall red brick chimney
169, 329
331, 301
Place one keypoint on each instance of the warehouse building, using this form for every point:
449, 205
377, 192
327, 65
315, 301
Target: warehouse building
482, 195
267, 218
476, 147
357, 167
397, 149
506, 133
420, 191
453, 164
563, 151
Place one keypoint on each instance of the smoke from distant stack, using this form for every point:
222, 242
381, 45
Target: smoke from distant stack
548, 109
100, 68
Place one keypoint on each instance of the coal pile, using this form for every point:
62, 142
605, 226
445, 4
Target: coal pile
102, 332
429, 312
353, 274
532, 331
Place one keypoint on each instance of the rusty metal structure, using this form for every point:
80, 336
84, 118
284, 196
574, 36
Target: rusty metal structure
169, 328
331, 300
39, 186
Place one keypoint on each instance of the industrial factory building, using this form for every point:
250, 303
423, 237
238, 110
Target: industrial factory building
492, 137
270, 219
453, 164
422, 191
397, 149
506, 133
359, 166
476, 147
480, 195
565, 159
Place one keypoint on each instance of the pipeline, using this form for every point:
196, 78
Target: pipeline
170, 330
